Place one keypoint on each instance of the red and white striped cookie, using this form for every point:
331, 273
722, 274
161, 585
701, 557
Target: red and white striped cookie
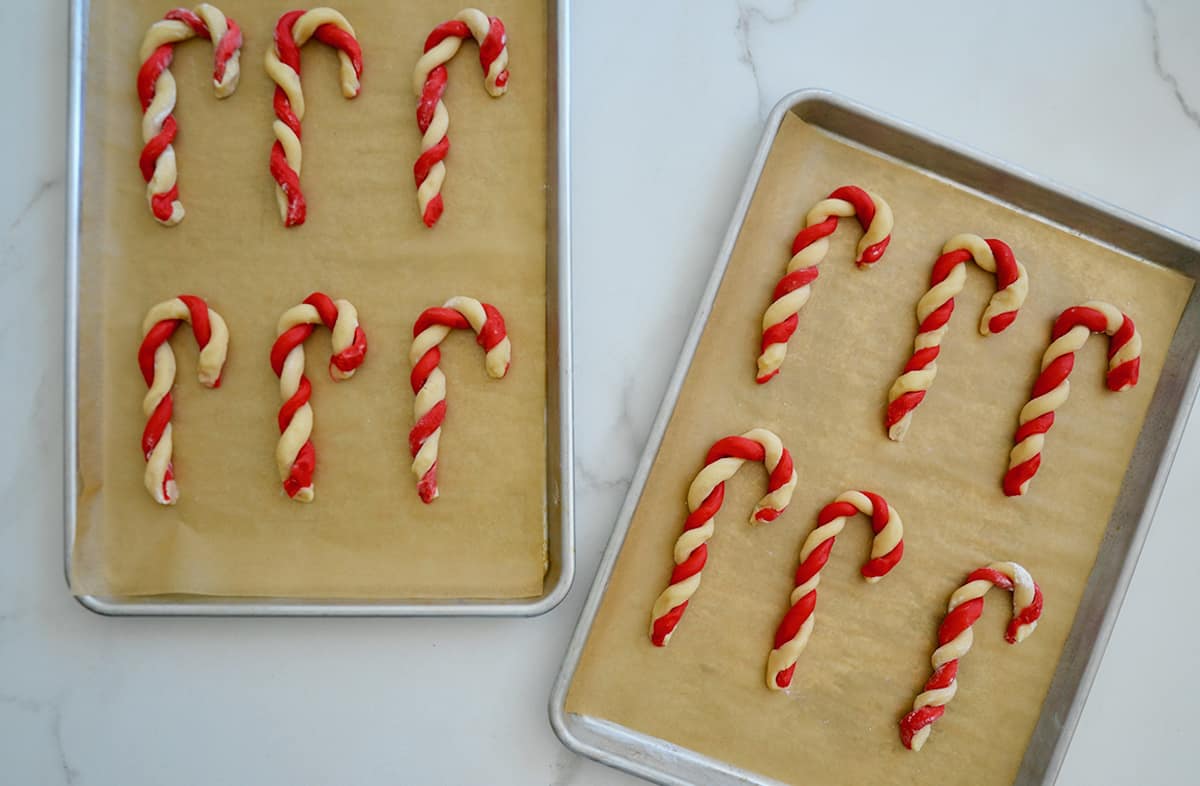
1050, 390
955, 637
157, 362
808, 249
704, 499
429, 84
294, 454
935, 307
157, 94
429, 383
886, 550
292, 31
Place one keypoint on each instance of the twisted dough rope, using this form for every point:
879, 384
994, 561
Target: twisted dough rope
808, 249
886, 550
295, 455
283, 66
157, 363
935, 307
156, 92
429, 383
429, 83
704, 499
1071, 331
955, 638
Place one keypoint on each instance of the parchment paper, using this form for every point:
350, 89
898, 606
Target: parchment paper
869, 653
366, 534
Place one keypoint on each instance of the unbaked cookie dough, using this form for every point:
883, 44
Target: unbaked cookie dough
295, 456
283, 66
157, 94
157, 363
704, 499
429, 383
429, 84
955, 637
808, 249
1070, 332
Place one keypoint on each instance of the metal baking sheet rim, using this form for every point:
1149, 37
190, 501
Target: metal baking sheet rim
658, 760
560, 488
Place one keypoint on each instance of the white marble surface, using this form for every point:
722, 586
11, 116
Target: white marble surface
669, 98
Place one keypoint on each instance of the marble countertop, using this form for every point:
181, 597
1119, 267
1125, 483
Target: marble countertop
668, 103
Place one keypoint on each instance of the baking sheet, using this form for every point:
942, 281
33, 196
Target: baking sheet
870, 651
366, 535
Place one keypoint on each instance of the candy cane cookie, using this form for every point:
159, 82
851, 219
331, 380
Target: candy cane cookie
1052, 386
157, 362
935, 307
157, 93
429, 383
886, 550
955, 637
808, 249
429, 83
294, 454
283, 66
704, 499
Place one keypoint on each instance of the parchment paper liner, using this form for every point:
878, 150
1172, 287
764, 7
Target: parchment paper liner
870, 650
366, 535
